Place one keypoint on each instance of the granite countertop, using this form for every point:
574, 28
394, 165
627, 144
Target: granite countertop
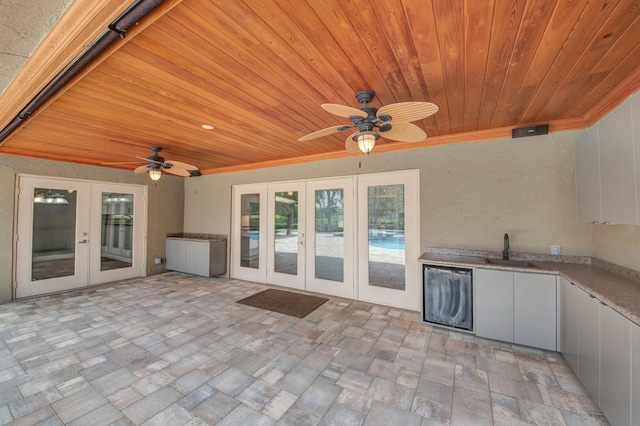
611, 284
197, 237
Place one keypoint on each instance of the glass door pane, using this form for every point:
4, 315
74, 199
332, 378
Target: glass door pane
53, 233
330, 249
116, 231
249, 232
386, 236
285, 237
329, 233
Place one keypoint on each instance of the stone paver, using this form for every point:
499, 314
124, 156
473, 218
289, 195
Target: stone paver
176, 349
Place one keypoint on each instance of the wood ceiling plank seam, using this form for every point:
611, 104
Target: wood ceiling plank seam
228, 72
532, 27
507, 20
451, 39
421, 19
478, 23
570, 93
405, 55
304, 89
168, 69
317, 92
306, 20
284, 41
617, 86
350, 41
563, 64
164, 7
560, 25
64, 42
365, 23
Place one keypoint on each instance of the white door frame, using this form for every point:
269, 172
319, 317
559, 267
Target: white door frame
408, 298
346, 287
240, 233
355, 240
287, 280
87, 235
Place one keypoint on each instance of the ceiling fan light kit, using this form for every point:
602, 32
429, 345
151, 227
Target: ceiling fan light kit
155, 174
156, 166
366, 141
391, 122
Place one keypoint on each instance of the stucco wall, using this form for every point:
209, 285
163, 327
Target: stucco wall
165, 210
470, 194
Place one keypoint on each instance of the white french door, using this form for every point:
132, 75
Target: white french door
71, 234
388, 245
286, 234
330, 254
322, 236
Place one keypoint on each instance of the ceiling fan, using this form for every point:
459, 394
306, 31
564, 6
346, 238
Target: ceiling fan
391, 122
156, 166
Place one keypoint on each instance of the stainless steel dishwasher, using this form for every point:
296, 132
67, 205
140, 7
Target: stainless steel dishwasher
448, 296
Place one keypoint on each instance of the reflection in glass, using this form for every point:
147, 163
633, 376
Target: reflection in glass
249, 232
53, 251
286, 233
116, 231
386, 236
329, 227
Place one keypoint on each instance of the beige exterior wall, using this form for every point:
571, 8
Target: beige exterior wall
470, 194
165, 206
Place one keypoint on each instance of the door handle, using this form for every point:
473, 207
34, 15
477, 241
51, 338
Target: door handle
82, 242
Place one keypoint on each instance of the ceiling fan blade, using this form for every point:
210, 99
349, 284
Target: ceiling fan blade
351, 146
320, 133
404, 132
343, 110
148, 160
179, 172
181, 165
408, 111
141, 169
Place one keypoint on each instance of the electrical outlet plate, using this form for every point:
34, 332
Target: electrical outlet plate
556, 250
158, 260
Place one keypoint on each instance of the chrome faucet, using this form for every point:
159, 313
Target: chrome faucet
505, 252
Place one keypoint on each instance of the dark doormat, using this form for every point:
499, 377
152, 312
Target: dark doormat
284, 302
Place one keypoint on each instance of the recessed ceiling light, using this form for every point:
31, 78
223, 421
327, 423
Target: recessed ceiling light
207, 126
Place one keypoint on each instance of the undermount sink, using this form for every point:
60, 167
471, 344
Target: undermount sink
510, 262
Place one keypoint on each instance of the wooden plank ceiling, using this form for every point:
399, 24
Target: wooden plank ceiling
258, 70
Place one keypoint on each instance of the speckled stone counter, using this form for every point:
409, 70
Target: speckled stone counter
197, 237
611, 284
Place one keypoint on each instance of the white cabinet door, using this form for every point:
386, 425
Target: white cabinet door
617, 173
589, 344
615, 365
175, 254
197, 254
587, 169
635, 373
494, 304
569, 322
534, 310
